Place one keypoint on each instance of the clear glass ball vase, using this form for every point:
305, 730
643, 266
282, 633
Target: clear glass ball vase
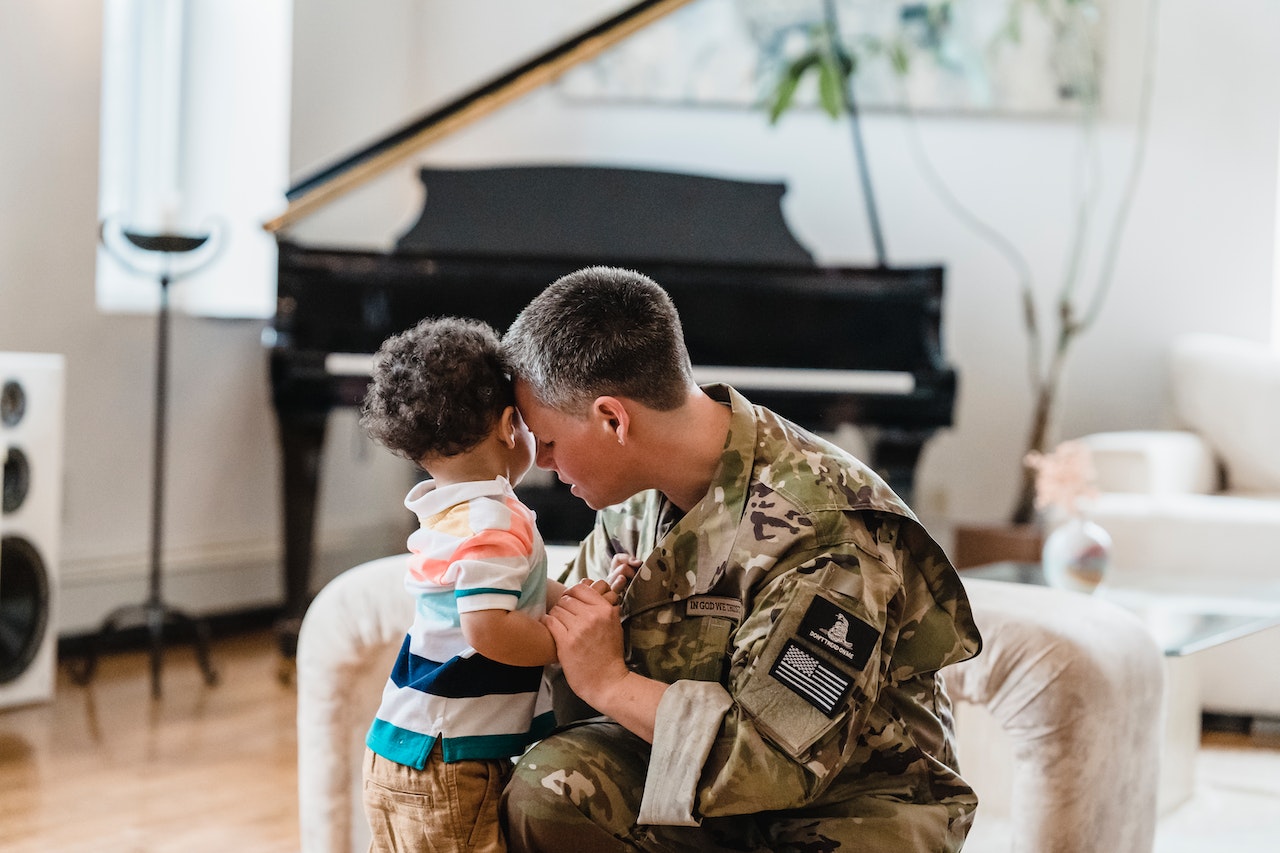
1076, 555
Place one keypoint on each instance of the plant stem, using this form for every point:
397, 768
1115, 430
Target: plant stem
1072, 323
860, 151
1024, 511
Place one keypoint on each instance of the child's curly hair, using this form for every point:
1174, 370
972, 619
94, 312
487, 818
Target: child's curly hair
437, 388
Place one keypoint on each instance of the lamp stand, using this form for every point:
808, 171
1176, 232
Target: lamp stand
154, 614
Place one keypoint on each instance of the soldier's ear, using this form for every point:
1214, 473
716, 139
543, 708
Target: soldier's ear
612, 417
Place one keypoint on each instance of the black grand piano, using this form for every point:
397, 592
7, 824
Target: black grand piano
821, 345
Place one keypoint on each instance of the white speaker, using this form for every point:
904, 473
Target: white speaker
31, 423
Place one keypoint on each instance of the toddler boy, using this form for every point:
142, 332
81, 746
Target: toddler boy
467, 690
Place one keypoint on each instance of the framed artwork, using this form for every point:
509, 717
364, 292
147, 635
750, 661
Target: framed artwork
965, 56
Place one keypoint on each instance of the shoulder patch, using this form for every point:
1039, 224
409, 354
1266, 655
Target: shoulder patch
838, 632
809, 678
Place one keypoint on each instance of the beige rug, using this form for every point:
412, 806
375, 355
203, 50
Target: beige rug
1235, 808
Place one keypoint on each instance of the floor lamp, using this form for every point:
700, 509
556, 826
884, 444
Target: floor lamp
154, 614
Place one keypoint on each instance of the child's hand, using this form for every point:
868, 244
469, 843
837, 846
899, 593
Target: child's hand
621, 571
602, 587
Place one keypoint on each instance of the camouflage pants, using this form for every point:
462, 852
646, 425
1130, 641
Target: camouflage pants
580, 790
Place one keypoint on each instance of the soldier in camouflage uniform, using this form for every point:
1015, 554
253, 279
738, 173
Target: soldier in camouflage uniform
772, 683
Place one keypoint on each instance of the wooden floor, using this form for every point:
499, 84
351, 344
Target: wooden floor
203, 769
106, 768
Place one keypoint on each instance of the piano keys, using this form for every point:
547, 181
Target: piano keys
745, 378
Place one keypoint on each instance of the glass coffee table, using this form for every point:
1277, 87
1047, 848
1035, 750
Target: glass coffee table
1182, 622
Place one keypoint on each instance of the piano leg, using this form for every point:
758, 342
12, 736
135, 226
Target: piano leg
894, 454
302, 442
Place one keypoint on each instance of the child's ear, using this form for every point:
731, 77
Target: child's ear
506, 430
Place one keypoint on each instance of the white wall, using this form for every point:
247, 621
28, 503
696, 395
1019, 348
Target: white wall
1199, 256
222, 539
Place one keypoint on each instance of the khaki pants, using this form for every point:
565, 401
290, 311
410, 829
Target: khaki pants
443, 807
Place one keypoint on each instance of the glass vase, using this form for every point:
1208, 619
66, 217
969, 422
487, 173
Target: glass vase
1076, 555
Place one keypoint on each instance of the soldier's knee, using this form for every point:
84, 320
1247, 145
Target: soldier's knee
574, 791
545, 810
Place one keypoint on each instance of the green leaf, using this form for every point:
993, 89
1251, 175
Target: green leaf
831, 86
784, 93
782, 97
899, 58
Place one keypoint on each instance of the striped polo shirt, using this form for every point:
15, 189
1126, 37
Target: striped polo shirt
477, 548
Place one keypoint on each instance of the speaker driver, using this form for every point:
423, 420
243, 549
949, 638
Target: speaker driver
17, 480
13, 403
24, 606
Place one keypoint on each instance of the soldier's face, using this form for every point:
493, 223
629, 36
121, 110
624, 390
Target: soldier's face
580, 450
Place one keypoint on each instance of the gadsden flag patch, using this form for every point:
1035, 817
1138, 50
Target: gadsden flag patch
809, 678
838, 632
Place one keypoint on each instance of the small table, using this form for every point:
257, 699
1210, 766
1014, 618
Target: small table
1182, 623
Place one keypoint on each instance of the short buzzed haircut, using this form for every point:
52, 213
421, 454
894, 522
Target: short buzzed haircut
438, 388
600, 331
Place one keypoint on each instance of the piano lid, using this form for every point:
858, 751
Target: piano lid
347, 173
594, 212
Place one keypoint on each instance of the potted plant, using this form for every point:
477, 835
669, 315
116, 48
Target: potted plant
834, 57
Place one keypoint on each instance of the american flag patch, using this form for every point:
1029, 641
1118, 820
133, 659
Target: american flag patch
809, 678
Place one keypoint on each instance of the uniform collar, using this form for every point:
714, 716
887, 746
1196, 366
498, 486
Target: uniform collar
712, 523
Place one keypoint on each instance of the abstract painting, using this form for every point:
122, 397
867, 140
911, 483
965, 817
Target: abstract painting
965, 56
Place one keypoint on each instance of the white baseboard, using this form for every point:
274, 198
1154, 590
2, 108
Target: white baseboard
206, 580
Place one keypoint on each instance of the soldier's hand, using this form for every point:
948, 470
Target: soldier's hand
588, 634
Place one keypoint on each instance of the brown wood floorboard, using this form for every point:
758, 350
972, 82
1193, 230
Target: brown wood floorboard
103, 767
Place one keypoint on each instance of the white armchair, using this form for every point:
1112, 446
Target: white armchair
1198, 508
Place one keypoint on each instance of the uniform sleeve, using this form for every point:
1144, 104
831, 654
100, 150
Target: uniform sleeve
808, 663
680, 751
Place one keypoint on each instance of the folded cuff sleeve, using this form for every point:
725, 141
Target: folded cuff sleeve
689, 718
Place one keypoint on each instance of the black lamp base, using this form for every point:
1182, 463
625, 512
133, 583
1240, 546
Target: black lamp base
158, 618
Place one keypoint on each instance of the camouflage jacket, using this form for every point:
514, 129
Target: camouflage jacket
800, 613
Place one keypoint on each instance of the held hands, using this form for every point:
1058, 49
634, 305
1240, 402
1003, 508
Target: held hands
605, 588
588, 635
587, 629
621, 571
